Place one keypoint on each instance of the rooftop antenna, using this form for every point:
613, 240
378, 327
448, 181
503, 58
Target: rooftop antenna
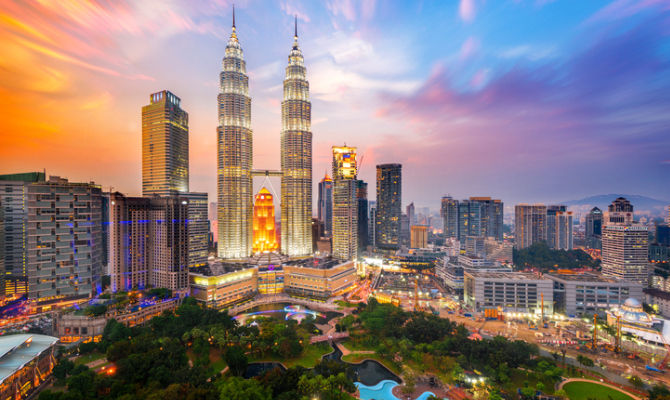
233, 15
296, 26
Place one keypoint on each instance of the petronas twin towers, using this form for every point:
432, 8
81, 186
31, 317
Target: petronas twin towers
235, 154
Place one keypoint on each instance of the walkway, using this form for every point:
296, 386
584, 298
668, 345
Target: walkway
281, 298
611, 386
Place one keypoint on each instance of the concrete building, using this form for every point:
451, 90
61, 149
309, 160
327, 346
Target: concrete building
449, 213
222, 285
559, 227
235, 153
389, 198
659, 300
587, 293
419, 237
363, 212
325, 205
148, 243
620, 212
530, 224
164, 145
198, 228
345, 204
452, 270
594, 228
625, 252
517, 292
26, 361
318, 278
372, 222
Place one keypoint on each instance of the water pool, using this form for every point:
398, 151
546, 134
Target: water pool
383, 391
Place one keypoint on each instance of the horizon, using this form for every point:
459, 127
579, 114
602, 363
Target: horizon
466, 98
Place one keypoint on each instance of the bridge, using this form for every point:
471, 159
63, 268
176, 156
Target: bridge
281, 298
330, 337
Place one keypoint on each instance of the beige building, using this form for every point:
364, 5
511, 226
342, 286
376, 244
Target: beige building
508, 291
319, 278
530, 224
625, 252
222, 285
419, 236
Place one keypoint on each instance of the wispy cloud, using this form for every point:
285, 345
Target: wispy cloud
466, 10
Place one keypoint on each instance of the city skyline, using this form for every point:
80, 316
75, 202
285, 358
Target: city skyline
444, 83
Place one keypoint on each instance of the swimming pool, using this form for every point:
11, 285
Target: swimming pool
383, 391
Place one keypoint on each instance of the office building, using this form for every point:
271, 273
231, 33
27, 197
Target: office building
296, 158
345, 204
362, 200
451, 270
372, 222
198, 228
148, 243
235, 152
318, 278
27, 360
265, 234
516, 292
389, 198
449, 213
620, 212
625, 252
559, 227
221, 285
476, 216
419, 237
530, 225
404, 230
411, 215
594, 228
586, 293
325, 205
164, 145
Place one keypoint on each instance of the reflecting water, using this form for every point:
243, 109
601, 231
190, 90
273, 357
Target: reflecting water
259, 368
368, 372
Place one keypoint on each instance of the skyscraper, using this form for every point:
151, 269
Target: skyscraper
345, 210
164, 145
148, 242
372, 221
265, 234
449, 211
198, 228
418, 236
389, 197
362, 200
620, 212
411, 214
559, 227
625, 252
296, 157
235, 151
325, 205
530, 224
478, 216
594, 226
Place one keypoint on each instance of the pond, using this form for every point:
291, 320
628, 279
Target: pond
368, 372
259, 368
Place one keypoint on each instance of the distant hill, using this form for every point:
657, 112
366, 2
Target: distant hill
642, 205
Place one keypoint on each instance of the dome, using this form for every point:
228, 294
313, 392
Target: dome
632, 303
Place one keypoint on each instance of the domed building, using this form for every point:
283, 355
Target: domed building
636, 321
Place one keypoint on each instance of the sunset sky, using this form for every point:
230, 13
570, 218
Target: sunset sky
527, 100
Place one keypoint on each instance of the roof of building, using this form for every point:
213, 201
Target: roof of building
515, 276
18, 350
24, 177
315, 262
585, 277
661, 294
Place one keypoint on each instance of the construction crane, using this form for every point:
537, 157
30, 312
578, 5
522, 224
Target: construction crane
594, 344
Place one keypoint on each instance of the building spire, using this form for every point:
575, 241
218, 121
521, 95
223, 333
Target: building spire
233, 15
296, 27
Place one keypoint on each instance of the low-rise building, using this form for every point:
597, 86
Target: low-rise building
318, 278
508, 291
589, 293
452, 269
659, 300
26, 360
221, 285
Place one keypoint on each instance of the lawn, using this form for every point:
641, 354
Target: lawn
87, 358
308, 359
588, 390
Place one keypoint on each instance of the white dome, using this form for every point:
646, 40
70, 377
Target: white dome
632, 303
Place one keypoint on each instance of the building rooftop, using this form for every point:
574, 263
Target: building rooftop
18, 350
313, 262
584, 277
216, 268
514, 276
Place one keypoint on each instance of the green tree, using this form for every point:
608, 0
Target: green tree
236, 359
236, 388
636, 381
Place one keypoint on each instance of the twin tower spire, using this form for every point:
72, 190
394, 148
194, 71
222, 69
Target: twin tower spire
235, 156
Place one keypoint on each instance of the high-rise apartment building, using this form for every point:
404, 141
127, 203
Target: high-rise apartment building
164, 145
559, 227
530, 224
411, 214
296, 157
449, 212
362, 200
625, 252
594, 228
389, 210
345, 204
235, 151
53, 241
372, 222
148, 242
477, 216
325, 205
198, 228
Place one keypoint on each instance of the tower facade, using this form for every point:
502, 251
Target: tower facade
296, 158
234, 150
345, 210
594, 228
325, 205
530, 224
449, 211
164, 145
265, 234
559, 227
389, 196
